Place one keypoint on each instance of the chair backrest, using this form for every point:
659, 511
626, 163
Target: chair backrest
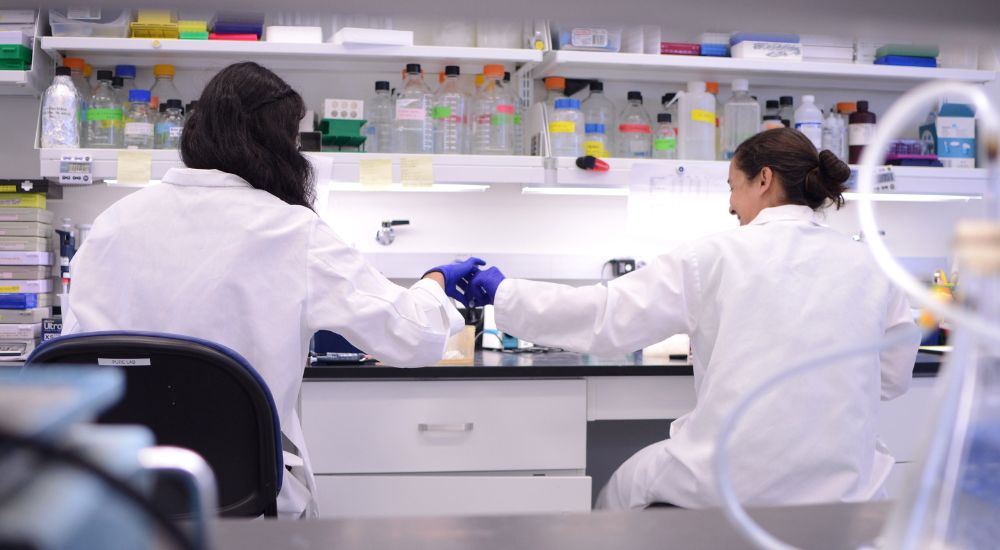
194, 394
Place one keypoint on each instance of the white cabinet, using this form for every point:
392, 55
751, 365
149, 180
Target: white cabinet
482, 446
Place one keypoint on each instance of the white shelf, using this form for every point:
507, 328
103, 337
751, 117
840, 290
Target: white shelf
32, 82
215, 54
683, 68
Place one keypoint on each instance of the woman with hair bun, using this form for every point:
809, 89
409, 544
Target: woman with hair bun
756, 301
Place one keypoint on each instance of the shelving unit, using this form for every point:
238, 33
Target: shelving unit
215, 54
33, 81
680, 68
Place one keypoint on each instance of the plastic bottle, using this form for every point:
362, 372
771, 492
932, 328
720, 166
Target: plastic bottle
413, 129
771, 122
163, 87
771, 107
104, 115
713, 89
449, 115
378, 120
740, 118
809, 121
170, 125
834, 136
599, 116
61, 112
860, 131
635, 135
518, 118
139, 121
493, 116
665, 139
696, 128
786, 111
566, 129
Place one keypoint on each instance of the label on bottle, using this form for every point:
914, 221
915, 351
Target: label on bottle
410, 109
104, 114
813, 131
501, 119
589, 38
634, 128
440, 112
562, 127
699, 115
138, 129
860, 134
175, 132
517, 119
505, 109
665, 144
595, 149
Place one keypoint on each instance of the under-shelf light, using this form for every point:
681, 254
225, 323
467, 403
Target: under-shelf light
913, 197
577, 191
400, 188
114, 182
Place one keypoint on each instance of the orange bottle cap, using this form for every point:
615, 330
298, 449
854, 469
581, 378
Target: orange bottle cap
847, 107
163, 70
712, 87
74, 63
555, 83
493, 70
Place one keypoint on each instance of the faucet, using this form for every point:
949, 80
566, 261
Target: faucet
386, 235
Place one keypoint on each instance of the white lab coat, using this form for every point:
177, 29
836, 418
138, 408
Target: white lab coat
206, 255
755, 300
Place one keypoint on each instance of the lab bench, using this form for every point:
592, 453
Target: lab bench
513, 433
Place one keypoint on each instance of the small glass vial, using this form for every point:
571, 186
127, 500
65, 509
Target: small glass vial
170, 125
665, 139
139, 121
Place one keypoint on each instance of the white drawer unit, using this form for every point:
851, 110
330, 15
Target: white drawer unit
450, 495
445, 426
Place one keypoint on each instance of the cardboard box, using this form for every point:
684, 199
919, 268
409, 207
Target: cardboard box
952, 137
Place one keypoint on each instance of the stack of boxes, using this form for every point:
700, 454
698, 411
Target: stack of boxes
26, 256
780, 47
827, 49
17, 30
907, 55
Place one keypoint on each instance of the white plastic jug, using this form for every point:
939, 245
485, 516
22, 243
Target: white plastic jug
696, 128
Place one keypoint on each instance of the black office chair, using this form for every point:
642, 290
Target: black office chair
194, 394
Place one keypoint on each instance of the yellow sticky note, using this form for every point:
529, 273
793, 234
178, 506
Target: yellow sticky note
417, 171
375, 172
134, 167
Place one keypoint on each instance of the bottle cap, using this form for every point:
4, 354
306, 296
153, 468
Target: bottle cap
138, 96
567, 103
667, 98
105, 75
493, 70
117, 82
846, 107
555, 83
163, 108
479, 81
634, 95
413, 68
696, 86
787, 100
506, 76
772, 104
739, 85
772, 117
449, 70
87, 70
596, 86
712, 87
862, 106
163, 70
594, 128
74, 63
191, 106
381, 85
63, 71
125, 71
663, 118
808, 98
174, 104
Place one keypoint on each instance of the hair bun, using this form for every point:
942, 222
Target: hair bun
834, 170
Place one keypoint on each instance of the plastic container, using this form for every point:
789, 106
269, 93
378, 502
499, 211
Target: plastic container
107, 23
497, 33
61, 113
449, 115
413, 129
740, 118
379, 114
665, 138
599, 115
170, 125
566, 129
163, 87
771, 107
696, 128
493, 116
860, 130
906, 61
104, 115
809, 120
835, 135
15, 57
635, 134
139, 122
679, 48
786, 111
583, 37
340, 133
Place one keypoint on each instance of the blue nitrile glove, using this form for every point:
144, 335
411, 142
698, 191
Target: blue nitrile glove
457, 277
483, 287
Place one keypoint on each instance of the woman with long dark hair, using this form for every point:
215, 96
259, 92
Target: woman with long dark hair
228, 249
756, 301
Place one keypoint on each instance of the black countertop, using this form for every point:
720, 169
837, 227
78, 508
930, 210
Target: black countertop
562, 364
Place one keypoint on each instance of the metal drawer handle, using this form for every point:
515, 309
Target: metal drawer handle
458, 427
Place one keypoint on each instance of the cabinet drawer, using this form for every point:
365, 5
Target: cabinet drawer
435, 495
445, 426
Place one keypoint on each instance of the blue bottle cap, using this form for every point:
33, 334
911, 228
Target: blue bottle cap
139, 96
594, 128
567, 103
125, 71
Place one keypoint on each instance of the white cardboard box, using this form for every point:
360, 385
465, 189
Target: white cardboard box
15, 37
381, 37
778, 51
294, 35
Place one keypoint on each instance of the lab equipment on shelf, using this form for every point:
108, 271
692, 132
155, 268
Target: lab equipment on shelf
379, 114
139, 121
809, 120
599, 116
665, 139
170, 125
104, 115
449, 115
566, 129
413, 131
163, 85
860, 130
634, 138
493, 116
740, 118
696, 129
61, 112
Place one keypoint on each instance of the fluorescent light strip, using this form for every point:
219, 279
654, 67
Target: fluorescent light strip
577, 191
913, 197
116, 184
400, 188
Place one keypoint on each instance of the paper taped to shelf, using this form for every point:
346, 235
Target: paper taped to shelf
135, 167
416, 171
375, 172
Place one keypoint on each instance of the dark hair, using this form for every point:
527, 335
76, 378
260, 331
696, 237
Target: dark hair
807, 177
247, 123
